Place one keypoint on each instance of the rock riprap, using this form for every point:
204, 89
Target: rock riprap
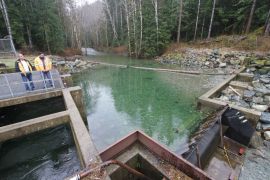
253, 95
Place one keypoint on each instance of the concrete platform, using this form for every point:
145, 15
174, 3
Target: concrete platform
11, 84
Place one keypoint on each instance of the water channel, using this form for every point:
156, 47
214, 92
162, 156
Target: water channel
118, 101
161, 104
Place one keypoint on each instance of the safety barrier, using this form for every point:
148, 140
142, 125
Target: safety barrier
12, 85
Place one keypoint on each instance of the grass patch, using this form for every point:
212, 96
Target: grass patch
10, 61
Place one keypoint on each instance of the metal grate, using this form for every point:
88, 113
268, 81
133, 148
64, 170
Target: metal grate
12, 85
5, 46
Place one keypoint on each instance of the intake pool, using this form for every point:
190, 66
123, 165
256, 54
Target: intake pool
163, 105
48, 154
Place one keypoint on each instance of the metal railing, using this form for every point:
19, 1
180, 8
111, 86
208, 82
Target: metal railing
12, 85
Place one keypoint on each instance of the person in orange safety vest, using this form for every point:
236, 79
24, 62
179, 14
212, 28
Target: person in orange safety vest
25, 68
44, 65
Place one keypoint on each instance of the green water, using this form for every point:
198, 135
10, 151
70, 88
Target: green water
121, 100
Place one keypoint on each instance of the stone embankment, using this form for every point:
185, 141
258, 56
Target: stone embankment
209, 58
252, 95
72, 64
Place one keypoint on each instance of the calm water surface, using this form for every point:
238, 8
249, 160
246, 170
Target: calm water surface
48, 154
121, 100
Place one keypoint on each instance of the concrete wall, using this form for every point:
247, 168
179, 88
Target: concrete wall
207, 99
73, 115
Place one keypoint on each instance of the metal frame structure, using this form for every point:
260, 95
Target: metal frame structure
17, 88
156, 148
4, 49
6, 18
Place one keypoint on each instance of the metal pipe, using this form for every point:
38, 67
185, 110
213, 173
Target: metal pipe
198, 156
221, 132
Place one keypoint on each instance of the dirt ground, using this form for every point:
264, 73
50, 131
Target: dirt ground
257, 164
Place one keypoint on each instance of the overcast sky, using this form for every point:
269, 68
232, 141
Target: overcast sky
81, 2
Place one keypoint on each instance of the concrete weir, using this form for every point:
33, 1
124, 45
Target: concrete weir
207, 98
73, 115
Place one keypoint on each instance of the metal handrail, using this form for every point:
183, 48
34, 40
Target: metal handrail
9, 84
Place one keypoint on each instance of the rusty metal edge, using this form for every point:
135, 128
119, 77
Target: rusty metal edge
156, 148
118, 146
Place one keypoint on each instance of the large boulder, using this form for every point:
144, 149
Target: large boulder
222, 65
248, 95
265, 117
258, 107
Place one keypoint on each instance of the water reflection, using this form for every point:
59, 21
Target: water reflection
121, 100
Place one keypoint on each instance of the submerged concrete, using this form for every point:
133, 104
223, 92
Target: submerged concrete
29, 98
33, 125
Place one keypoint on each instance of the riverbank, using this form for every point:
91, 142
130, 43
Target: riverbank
210, 58
71, 64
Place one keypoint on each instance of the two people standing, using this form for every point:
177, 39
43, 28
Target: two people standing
42, 64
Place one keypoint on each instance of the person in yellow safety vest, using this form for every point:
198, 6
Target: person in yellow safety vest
44, 65
25, 68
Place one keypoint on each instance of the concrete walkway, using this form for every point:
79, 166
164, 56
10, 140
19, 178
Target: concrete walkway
11, 84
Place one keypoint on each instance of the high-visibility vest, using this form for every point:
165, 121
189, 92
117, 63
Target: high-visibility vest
21, 68
40, 66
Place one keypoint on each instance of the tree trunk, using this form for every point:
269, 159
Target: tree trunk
106, 29
211, 21
115, 35
180, 21
155, 4
251, 16
141, 33
128, 27
97, 34
203, 27
116, 14
134, 27
267, 25
5, 15
29, 34
121, 23
196, 26
47, 39
28, 26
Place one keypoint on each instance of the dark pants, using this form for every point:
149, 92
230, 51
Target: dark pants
27, 79
47, 78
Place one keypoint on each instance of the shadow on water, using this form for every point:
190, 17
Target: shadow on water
119, 101
22, 112
49, 154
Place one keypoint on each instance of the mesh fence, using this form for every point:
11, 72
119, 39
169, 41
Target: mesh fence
12, 85
5, 46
